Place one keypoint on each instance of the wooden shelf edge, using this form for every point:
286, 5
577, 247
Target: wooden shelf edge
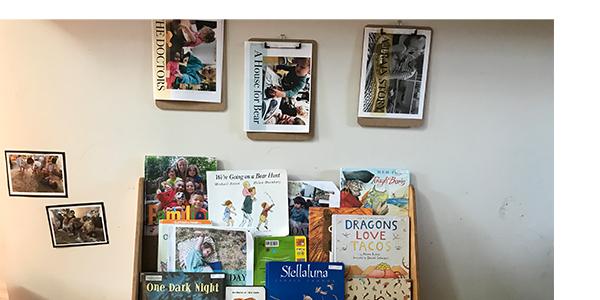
414, 270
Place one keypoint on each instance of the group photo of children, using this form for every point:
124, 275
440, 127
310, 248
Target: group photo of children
36, 174
77, 224
192, 55
286, 90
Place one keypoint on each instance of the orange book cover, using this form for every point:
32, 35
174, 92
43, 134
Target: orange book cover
319, 229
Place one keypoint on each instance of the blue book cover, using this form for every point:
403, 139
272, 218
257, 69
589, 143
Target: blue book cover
305, 281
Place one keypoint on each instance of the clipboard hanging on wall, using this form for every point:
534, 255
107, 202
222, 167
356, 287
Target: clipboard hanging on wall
393, 81
188, 64
279, 89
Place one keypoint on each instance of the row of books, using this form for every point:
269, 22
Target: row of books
254, 228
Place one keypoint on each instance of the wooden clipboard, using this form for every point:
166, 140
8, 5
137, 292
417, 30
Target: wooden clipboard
400, 123
289, 136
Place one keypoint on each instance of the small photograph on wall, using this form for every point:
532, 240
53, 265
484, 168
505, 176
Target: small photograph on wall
278, 87
80, 224
187, 60
36, 173
394, 72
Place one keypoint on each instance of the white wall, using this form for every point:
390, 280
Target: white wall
482, 164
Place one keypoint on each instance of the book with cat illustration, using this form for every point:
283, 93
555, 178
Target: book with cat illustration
384, 190
305, 281
378, 288
252, 199
371, 246
189, 247
182, 286
319, 229
245, 293
266, 249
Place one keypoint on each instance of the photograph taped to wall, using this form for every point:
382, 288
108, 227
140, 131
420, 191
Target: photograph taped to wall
187, 60
278, 87
394, 72
36, 173
81, 224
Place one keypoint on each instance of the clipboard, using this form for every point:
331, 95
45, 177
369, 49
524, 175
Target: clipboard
289, 136
398, 123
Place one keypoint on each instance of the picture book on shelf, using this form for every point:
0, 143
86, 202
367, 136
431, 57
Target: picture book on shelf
245, 293
305, 280
319, 230
378, 288
372, 246
251, 199
305, 194
175, 188
266, 249
182, 286
205, 248
383, 190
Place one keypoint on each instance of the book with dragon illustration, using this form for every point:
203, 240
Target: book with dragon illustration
266, 249
371, 246
305, 281
319, 229
252, 199
383, 190
182, 286
245, 293
378, 288
189, 247
303, 195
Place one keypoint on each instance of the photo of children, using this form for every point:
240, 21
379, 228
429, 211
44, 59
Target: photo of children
305, 194
36, 174
77, 224
174, 183
279, 85
192, 52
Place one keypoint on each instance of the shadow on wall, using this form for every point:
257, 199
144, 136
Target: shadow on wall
20, 293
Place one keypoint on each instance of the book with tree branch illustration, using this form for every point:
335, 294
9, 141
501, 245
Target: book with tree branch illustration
253, 199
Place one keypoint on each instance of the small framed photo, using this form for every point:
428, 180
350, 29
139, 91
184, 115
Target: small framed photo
81, 224
187, 60
36, 173
394, 72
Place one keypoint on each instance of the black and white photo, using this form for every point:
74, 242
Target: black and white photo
80, 224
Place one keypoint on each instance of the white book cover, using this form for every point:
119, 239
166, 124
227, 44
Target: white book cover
187, 247
245, 293
250, 199
372, 246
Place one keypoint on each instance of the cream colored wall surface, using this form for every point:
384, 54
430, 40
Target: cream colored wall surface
482, 164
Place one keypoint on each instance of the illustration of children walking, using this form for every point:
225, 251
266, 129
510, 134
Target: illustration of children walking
247, 206
263, 219
229, 210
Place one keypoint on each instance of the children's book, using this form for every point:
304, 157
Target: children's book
266, 249
245, 293
305, 281
378, 288
383, 190
305, 194
371, 246
251, 199
204, 248
319, 230
182, 286
175, 188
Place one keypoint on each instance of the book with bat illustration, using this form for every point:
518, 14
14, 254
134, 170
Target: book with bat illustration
305, 280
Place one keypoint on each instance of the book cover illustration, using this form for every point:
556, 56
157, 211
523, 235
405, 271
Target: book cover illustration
305, 194
245, 293
305, 281
266, 249
182, 286
319, 230
278, 86
378, 288
251, 199
394, 72
175, 188
372, 246
205, 249
187, 60
383, 190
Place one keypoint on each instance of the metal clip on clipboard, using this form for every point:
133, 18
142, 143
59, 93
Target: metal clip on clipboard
382, 31
283, 44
